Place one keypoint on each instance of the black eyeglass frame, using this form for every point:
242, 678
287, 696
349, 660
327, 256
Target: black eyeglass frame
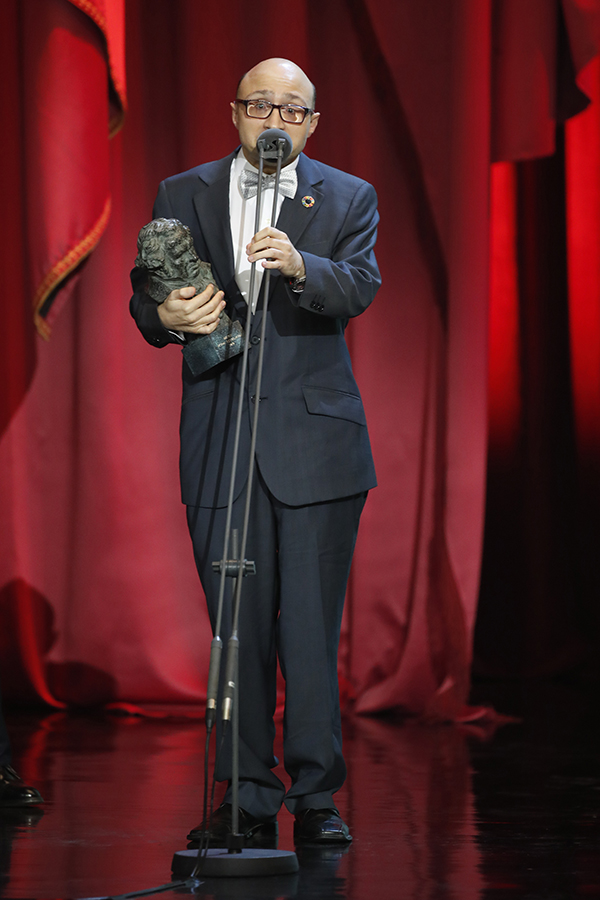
278, 106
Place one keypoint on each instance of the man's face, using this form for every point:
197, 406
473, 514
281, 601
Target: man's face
278, 81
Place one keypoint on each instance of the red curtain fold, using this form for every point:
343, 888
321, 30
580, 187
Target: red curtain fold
67, 120
504, 386
583, 237
526, 49
109, 16
412, 97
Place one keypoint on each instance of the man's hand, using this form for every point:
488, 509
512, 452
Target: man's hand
184, 310
276, 251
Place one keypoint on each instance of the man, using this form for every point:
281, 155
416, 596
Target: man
313, 463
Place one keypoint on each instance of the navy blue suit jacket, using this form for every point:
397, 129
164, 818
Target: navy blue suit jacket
313, 444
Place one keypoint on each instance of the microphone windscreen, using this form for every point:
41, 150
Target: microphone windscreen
269, 142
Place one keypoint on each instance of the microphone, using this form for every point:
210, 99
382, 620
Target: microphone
270, 141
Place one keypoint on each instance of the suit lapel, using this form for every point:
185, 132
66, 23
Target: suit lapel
211, 203
295, 216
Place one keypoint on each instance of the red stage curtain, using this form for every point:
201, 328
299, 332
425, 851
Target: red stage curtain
97, 578
65, 65
583, 248
540, 580
583, 237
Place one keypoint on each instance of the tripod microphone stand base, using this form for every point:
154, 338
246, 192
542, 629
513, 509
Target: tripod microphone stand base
248, 863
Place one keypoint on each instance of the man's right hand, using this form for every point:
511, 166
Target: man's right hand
184, 310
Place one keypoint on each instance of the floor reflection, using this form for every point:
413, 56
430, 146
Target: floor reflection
13, 824
411, 808
436, 812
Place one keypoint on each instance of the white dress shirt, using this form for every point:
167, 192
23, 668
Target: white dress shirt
242, 214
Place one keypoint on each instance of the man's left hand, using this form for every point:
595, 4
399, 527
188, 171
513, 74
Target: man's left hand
276, 251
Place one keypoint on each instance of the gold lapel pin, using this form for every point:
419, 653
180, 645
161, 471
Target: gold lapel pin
307, 202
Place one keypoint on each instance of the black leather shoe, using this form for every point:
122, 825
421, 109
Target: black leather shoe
257, 832
14, 791
320, 826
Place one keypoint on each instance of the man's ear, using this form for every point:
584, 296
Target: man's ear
314, 121
234, 113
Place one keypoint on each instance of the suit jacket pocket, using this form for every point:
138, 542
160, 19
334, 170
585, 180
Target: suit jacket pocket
322, 401
197, 391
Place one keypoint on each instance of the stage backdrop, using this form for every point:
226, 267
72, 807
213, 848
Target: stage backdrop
99, 599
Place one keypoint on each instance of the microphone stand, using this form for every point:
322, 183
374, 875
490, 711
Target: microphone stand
236, 859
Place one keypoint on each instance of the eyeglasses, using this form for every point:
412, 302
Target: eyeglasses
262, 109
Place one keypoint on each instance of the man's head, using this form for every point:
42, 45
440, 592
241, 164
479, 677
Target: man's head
278, 81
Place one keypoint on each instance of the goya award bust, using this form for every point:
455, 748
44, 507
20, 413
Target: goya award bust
167, 254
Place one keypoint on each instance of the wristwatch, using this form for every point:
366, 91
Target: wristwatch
297, 284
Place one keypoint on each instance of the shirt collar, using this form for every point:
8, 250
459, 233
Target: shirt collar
240, 162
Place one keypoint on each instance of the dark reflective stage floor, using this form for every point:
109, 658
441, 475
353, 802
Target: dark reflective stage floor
436, 812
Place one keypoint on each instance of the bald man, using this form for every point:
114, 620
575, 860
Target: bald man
313, 463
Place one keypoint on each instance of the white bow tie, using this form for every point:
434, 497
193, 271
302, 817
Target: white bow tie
288, 183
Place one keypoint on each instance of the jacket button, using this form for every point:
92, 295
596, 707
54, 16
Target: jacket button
255, 339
